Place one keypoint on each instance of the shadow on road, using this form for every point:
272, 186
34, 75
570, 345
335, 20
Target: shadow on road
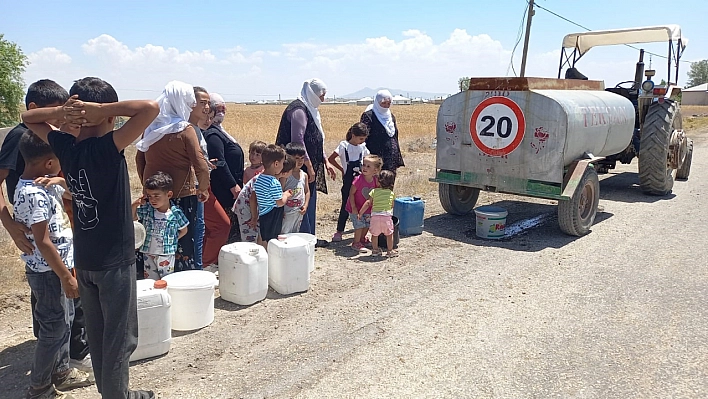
15, 365
545, 234
624, 187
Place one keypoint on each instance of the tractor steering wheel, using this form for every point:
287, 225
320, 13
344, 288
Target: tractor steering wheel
632, 87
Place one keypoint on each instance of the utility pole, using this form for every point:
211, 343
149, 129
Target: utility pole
526, 39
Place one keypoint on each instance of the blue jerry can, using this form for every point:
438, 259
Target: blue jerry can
410, 212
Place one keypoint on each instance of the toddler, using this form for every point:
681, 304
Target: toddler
255, 158
381, 203
164, 225
358, 193
295, 180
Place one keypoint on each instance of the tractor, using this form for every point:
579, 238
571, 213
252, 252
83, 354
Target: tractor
549, 138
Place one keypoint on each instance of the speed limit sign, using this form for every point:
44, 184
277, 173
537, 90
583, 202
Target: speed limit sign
497, 126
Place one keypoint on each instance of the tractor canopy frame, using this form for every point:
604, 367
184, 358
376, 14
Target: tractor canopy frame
575, 45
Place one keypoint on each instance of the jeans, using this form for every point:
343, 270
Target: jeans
111, 311
199, 237
308, 220
78, 344
54, 313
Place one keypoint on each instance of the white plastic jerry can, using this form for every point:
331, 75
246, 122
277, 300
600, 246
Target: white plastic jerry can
243, 273
154, 319
288, 264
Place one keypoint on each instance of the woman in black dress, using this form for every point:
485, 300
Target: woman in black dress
383, 132
301, 123
227, 178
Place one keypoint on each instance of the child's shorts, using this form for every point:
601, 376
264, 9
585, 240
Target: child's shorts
381, 224
271, 223
360, 223
158, 266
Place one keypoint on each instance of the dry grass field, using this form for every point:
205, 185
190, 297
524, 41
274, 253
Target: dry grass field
260, 122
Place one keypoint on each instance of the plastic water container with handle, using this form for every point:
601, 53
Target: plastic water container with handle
192, 294
243, 273
410, 213
312, 241
288, 267
154, 319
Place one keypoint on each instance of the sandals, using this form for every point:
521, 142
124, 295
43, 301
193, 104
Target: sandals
376, 252
392, 253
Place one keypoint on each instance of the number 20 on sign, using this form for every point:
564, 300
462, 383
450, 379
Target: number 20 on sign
497, 126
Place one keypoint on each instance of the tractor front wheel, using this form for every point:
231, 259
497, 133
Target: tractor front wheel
685, 169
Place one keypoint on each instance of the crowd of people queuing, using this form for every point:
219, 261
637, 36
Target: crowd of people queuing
66, 162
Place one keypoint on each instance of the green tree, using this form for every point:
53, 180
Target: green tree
464, 83
12, 64
698, 74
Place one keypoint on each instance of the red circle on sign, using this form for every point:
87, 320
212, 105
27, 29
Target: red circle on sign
514, 107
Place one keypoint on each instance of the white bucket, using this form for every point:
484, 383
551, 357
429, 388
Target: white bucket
312, 241
154, 320
288, 264
491, 221
139, 234
243, 273
192, 294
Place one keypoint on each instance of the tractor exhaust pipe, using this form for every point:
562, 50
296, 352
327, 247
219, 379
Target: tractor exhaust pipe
639, 74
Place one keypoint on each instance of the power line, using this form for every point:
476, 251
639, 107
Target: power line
588, 29
519, 35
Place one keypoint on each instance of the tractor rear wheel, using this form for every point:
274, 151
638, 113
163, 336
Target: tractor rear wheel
576, 215
685, 169
655, 173
457, 200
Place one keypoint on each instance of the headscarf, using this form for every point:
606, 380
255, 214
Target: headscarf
383, 114
216, 100
176, 103
310, 95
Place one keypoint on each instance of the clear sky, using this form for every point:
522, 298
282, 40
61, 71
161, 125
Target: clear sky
261, 49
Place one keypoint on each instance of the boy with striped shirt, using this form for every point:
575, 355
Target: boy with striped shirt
268, 196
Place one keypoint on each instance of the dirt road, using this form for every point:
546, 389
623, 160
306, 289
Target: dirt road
619, 313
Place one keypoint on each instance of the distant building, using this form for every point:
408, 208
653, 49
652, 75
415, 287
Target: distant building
400, 100
696, 95
365, 101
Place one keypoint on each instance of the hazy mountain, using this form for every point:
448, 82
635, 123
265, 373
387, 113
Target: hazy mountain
368, 92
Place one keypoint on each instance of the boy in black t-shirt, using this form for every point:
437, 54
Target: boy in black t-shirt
104, 257
40, 94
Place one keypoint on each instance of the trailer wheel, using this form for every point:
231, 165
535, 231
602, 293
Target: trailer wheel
457, 200
655, 173
685, 169
576, 215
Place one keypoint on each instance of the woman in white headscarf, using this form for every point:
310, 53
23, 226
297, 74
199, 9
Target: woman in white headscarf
170, 145
383, 132
301, 123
